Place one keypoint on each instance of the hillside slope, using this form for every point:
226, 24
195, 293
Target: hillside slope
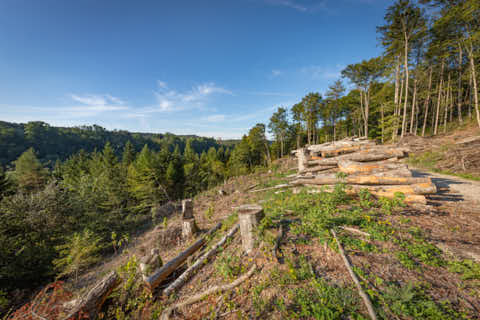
413, 264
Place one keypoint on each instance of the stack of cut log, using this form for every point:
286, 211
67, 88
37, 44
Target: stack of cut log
365, 166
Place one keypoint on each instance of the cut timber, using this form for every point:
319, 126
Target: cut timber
468, 140
317, 169
362, 180
280, 186
90, 304
366, 299
162, 273
180, 281
166, 314
414, 199
249, 216
412, 189
358, 156
353, 167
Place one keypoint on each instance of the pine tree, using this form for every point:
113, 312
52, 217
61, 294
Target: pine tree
128, 155
4, 183
29, 173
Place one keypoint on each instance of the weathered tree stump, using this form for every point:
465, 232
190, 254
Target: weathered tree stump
150, 263
249, 217
302, 159
189, 227
187, 209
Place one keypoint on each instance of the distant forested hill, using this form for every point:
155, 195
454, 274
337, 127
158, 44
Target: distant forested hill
52, 143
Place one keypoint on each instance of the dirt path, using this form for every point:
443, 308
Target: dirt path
454, 224
454, 189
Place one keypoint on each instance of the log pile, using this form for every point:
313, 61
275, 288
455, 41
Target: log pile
364, 165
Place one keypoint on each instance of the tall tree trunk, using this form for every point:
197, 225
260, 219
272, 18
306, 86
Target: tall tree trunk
397, 111
414, 102
427, 102
397, 80
474, 79
404, 121
460, 93
367, 110
439, 98
470, 97
383, 121
447, 96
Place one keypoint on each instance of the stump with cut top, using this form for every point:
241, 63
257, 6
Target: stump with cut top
189, 227
249, 217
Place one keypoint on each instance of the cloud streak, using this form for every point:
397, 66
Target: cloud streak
300, 6
169, 100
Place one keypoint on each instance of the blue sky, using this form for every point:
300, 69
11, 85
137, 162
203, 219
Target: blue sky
211, 68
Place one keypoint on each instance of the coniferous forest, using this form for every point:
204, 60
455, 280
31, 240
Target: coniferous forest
61, 187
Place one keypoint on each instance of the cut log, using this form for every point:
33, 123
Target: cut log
166, 314
91, 303
412, 189
366, 299
180, 281
357, 156
249, 217
354, 167
162, 273
280, 186
362, 180
317, 168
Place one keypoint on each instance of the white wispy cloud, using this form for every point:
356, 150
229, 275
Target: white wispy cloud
276, 73
322, 72
97, 100
301, 6
195, 98
215, 118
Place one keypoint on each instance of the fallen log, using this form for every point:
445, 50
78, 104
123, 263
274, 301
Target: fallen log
166, 314
353, 230
91, 304
353, 167
414, 199
362, 180
162, 273
366, 299
357, 156
317, 169
180, 281
280, 186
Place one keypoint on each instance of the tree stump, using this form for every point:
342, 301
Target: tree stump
189, 228
150, 263
302, 159
187, 209
249, 217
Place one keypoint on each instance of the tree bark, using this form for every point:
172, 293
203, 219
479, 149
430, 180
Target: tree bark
161, 274
460, 89
353, 167
365, 180
249, 217
183, 278
414, 102
439, 98
447, 95
427, 102
474, 79
404, 121
91, 304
